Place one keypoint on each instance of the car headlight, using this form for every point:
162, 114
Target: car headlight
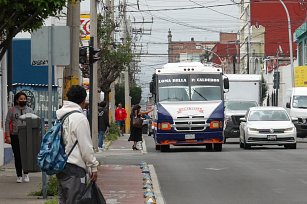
289, 129
254, 130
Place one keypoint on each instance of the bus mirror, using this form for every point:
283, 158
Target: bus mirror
226, 83
152, 88
288, 105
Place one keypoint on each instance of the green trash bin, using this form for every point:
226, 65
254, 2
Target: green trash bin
29, 134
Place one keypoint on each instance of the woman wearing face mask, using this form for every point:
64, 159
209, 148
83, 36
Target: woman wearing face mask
11, 130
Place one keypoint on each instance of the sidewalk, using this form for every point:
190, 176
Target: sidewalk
120, 184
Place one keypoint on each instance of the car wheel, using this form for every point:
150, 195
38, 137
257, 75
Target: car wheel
217, 147
246, 146
209, 147
164, 148
290, 146
158, 147
241, 144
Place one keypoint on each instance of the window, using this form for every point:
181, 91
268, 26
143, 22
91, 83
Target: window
305, 52
300, 54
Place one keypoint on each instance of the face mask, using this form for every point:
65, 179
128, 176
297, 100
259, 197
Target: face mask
22, 103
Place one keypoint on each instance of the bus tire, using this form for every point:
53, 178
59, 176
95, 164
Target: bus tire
217, 147
158, 147
164, 148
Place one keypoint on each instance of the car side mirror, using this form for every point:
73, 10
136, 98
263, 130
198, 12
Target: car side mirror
226, 83
288, 105
294, 119
242, 119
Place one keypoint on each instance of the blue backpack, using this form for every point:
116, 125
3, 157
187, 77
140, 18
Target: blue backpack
52, 157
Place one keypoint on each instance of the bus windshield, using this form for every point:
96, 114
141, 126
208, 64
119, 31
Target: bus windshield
194, 87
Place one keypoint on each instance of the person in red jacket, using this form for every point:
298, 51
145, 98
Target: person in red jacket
120, 117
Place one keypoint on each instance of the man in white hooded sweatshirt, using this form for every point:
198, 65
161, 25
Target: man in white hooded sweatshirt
72, 181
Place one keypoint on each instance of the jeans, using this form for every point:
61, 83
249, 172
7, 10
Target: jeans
100, 138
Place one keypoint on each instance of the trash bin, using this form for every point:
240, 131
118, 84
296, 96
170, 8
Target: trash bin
29, 134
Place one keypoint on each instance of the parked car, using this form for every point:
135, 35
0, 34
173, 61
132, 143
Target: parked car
267, 126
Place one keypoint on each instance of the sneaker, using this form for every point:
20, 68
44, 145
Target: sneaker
19, 179
26, 178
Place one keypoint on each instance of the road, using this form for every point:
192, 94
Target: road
192, 175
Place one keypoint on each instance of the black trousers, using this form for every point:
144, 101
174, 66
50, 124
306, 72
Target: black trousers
17, 157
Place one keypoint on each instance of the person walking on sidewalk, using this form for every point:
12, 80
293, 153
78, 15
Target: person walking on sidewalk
72, 180
103, 123
11, 131
136, 133
120, 117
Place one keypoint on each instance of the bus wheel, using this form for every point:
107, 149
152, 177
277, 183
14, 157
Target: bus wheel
164, 148
209, 147
158, 147
217, 147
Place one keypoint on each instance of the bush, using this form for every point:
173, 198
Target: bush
52, 188
113, 133
52, 201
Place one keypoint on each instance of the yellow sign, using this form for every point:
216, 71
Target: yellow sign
300, 76
85, 26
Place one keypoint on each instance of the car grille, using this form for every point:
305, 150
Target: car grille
268, 131
195, 123
281, 139
236, 119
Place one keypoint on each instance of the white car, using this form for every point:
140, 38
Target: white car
267, 126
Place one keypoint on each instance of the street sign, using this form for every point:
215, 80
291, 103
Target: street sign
60, 46
300, 76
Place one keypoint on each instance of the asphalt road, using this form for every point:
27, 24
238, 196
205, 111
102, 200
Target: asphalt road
192, 175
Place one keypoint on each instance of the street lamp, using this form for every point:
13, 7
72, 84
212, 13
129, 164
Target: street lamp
206, 49
290, 42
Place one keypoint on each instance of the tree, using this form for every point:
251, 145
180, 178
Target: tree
135, 93
25, 15
114, 58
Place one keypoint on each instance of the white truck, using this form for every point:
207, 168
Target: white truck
244, 92
298, 109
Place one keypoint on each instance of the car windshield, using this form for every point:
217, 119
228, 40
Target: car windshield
240, 105
268, 115
299, 102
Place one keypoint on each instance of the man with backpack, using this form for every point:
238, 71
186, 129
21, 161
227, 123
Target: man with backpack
76, 137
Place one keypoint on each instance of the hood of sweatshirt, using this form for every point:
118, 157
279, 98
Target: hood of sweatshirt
68, 106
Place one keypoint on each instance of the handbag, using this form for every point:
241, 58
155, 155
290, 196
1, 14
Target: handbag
11, 127
91, 195
137, 122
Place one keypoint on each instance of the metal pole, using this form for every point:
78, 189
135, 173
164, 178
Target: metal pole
91, 87
290, 42
72, 71
126, 74
94, 82
49, 76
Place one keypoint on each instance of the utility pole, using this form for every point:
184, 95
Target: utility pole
126, 74
110, 7
72, 71
94, 78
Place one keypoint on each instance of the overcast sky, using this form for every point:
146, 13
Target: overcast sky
183, 19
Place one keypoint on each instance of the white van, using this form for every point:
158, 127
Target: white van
298, 109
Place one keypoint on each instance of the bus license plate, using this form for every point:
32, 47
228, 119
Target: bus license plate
272, 137
189, 136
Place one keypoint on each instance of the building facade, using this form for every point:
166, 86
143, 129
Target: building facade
264, 31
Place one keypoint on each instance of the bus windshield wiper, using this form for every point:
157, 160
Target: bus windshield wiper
200, 94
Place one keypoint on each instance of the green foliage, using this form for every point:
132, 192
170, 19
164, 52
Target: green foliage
113, 133
264, 89
26, 15
135, 93
54, 200
52, 188
114, 58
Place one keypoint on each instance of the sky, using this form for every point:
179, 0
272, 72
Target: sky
184, 18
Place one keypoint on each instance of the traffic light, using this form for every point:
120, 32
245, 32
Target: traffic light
276, 80
83, 55
92, 55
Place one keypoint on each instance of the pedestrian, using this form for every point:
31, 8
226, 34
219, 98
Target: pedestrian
72, 180
136, 133
120, 117
103, 123
11, 131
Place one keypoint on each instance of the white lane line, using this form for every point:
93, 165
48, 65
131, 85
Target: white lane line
156, 185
